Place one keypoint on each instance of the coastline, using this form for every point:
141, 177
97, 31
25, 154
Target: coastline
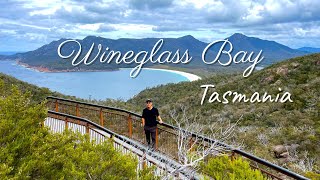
189, 76
34, 68
47, 70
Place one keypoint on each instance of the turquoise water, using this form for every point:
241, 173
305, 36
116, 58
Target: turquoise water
94, 85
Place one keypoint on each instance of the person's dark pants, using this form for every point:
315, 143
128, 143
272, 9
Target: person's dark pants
150, 131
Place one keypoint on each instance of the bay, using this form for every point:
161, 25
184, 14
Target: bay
93, 85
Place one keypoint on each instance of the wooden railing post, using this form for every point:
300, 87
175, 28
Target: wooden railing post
66, 124
56, 106
144, 162
101, 117
233, 156
77, 110
157, 138
112, 140
87, 128
130, 125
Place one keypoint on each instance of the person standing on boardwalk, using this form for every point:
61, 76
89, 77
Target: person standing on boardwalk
150, 115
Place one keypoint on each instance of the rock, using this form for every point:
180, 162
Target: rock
283, 160
295, 65
281, 151
278, 150
318, 63
278, 82
284, 155
268, 79
282, 71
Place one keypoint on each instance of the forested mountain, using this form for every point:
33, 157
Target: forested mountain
310, 49
47, 55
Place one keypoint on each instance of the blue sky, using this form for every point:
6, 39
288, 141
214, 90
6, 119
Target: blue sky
28, 24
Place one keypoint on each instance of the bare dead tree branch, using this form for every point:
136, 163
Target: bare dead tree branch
192, 147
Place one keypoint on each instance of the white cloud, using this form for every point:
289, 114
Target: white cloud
254, 13
90, 27
296, 22
133, 27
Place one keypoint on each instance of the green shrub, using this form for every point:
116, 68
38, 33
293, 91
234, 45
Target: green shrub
313, 175
222, 167
28, 151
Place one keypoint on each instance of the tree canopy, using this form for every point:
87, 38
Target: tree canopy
28, 151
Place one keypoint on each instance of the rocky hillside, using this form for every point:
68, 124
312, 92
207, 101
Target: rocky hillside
284, 133
38, 94
264, 127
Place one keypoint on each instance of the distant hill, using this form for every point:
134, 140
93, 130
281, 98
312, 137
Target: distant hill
47, 57
272, 51
6, 53
310, 49
38, 94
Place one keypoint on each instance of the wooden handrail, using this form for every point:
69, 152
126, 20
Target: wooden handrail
94, 126
206, 139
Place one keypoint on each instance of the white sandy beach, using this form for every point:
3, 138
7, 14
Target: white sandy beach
191, 77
